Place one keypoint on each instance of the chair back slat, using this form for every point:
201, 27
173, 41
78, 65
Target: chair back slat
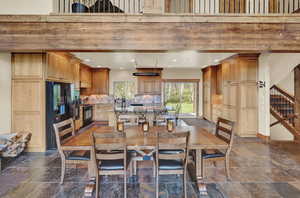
176, 156
223, 138
221, 128
173, 141
109, 156
109, 146
64, 123
63, 131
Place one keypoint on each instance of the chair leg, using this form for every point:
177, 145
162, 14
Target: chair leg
134, 167
154, 169
202, 168
125, 184
184, 183
227, 169
97, 185
157, 185
130, 168
63, 170
215, 163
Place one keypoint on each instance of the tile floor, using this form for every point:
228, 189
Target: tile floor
258, 170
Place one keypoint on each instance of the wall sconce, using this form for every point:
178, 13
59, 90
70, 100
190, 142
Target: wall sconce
261, 84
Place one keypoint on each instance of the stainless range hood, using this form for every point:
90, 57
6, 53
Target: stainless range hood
146, 74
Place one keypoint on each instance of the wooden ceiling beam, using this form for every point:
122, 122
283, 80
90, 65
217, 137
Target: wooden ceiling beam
43, 34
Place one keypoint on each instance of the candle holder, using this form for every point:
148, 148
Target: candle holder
120, 126
170, 125
145, 126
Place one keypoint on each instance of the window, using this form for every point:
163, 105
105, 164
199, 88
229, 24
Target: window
124, 89
183, 94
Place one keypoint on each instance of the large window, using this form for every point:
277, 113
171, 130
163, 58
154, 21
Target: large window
183, 94
124, 89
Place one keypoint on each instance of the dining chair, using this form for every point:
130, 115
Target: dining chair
172, 162
224, 131
144, 153
64, 131
110, 156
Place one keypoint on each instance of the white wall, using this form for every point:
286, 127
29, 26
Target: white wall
264, 95
288, 83
188, 73
278, 132
282, 64
26, 6
5, 93
275, 68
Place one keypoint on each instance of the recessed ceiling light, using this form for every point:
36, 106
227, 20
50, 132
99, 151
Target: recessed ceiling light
87, 60
132, 60
216, 60
121, 68
174, 60
99, 66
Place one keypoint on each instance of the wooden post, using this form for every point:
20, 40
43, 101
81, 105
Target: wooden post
153, 7
297, 96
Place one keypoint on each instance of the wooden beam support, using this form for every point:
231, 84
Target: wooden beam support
96, 33
297, 96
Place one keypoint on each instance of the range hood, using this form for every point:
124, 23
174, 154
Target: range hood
146, 74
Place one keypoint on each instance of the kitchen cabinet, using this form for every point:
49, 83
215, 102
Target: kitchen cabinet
94, 81
28, 97
149, 84
101, 111
85, 76
79, 122
100, 81
28, 66
240, 93
60, 67
209, 90
76, 74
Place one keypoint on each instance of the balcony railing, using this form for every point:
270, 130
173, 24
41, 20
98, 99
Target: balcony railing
178, 6
100, 6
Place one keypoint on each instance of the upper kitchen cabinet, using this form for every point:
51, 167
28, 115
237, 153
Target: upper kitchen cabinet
76, 74
94, 81
28, 66
100, 81
149, 84
85, 76
60, 67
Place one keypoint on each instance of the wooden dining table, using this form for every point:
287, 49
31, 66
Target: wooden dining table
200, 139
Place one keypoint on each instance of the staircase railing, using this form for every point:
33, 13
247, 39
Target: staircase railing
283, 103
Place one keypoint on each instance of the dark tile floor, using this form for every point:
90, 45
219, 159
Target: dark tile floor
258, 170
